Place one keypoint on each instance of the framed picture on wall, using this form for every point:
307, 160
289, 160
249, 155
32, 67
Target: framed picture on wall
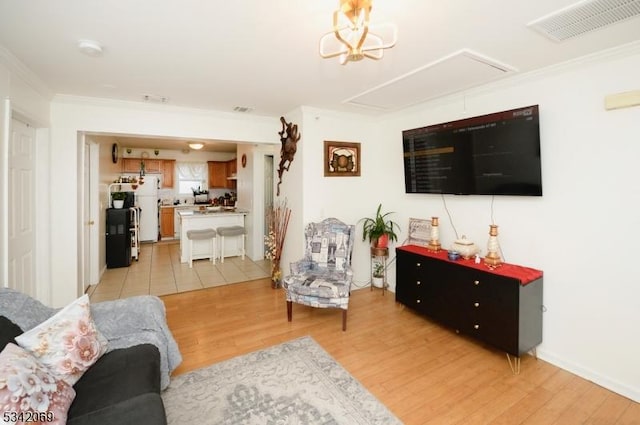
341, 159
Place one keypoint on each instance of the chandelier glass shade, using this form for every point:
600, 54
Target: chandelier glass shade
353, 38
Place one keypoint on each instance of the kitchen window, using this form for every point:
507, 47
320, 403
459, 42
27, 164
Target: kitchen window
192, 175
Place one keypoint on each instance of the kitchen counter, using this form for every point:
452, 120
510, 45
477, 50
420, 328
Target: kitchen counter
198, 213
198, 220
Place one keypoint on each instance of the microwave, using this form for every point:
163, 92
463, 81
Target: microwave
201, 199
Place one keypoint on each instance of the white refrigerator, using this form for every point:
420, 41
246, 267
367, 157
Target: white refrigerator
146, 198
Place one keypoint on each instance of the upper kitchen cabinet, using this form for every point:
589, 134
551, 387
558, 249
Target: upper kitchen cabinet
219, 171
134, 165
130, 165
168, 171
217, 174
153, 165
232, 167
166, 167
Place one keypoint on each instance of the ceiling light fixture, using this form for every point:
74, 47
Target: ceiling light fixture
90, 48
196, 146
353, 37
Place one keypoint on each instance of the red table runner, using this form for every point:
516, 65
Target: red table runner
524, 274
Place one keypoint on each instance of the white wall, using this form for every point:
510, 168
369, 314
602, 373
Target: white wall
582, 233
23, 95
71, 116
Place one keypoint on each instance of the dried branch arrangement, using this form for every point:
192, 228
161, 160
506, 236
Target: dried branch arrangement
278, 220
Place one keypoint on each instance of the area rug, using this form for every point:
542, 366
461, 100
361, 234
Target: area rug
293, 383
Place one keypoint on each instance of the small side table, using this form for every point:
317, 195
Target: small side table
380, 255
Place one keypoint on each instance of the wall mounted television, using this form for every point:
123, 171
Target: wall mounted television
493, 154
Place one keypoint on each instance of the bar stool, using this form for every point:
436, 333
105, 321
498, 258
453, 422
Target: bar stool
231, 231
201, 235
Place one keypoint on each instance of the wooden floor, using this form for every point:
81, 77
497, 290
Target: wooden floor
424, 373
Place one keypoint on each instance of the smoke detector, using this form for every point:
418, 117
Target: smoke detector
90, 48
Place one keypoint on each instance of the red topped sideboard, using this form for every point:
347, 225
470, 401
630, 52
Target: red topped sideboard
501, 307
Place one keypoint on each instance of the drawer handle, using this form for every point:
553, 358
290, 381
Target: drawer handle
476, 326
476, 282
417, 301
476, 304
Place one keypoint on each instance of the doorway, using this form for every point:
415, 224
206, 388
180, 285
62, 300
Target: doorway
90, 215
268, 194
21, 214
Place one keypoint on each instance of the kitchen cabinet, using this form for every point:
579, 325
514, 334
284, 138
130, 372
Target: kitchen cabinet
131, 165
152, 165
167, 228
168, 172
232, 169
501, 307
218, 174
166, 167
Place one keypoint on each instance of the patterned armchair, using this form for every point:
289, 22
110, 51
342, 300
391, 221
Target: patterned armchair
323, 277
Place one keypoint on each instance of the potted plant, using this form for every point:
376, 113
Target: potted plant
379, 229
378, 274
118, 199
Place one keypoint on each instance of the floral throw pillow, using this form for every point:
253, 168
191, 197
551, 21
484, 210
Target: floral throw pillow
29, 392
68, 343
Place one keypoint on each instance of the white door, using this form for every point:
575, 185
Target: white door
22, 208
91, 273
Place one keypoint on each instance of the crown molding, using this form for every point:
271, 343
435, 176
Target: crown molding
20, 70
102, 102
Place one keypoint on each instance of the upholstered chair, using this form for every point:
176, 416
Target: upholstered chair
323, 277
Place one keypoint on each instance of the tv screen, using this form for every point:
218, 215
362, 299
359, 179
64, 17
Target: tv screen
494, 154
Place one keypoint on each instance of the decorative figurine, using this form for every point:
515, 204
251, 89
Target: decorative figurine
434, 242
289, 147
493, 260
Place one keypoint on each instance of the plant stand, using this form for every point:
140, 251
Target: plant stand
380, 255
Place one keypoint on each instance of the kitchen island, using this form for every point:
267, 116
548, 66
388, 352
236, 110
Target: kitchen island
198, 220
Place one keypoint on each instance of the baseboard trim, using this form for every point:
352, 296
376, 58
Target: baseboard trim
604, 381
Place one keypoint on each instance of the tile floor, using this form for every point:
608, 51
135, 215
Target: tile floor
159, 272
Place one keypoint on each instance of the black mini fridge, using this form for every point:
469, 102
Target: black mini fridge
118, 237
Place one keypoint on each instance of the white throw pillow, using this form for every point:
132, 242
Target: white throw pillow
68, 343
29, 392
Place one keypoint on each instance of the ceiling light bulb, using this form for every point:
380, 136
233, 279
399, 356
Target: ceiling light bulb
90, 47
196, 146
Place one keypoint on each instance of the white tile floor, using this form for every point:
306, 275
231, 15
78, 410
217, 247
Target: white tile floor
159, 272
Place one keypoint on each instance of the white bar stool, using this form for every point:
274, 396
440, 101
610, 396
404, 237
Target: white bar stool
231, 231
201, 235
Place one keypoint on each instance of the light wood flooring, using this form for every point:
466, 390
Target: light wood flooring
158, 271
424, 373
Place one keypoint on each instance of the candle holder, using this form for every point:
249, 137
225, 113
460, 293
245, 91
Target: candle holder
434, 242
493, 260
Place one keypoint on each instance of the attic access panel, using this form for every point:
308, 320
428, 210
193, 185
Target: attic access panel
455, 72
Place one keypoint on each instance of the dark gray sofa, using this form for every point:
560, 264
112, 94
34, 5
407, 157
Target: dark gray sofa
122, 387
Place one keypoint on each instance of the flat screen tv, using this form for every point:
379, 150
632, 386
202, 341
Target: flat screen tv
494, 154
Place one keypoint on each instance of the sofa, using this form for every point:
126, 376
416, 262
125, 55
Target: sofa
124, 385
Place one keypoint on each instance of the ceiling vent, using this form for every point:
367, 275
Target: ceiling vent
584, 17
242, 109
152, 98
